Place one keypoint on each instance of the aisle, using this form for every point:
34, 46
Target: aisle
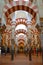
20, 59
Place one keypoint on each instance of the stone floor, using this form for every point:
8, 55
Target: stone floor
20, 59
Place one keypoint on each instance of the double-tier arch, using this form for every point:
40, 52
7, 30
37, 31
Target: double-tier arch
25, 6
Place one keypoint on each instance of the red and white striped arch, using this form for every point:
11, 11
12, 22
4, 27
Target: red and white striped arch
8, 31
24, 21
21, 37
23, 5
21, 21
21, 40
21, 31
21, 43
34, 31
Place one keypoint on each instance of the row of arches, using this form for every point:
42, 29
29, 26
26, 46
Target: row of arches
24, 6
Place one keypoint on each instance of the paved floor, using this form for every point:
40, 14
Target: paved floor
20, 59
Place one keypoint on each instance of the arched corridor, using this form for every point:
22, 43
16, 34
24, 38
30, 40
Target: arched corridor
20, 33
